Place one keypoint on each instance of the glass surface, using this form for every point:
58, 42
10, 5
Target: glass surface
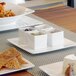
65, 2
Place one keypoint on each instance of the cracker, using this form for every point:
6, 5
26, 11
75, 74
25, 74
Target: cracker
13, 64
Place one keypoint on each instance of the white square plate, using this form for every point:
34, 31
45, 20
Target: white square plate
25, 21
54, 69
10, 26
23, 67
29, 21
67, 43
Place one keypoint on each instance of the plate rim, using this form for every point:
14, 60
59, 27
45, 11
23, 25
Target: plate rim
35, 52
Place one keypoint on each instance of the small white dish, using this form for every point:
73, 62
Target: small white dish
23, 67
54, 69
55, 37
67, 43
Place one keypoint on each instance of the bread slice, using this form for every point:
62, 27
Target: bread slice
7, 55
21, 60
11, 58
2, 62
14, 51
13, 64
11, 52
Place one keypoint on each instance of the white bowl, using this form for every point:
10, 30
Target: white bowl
18, 10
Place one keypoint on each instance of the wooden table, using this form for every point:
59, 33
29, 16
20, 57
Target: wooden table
23, 73
40, 59
63, 16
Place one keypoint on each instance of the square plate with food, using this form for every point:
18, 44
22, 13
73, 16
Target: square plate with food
11, 60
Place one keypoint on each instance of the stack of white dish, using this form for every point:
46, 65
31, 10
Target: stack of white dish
39, 37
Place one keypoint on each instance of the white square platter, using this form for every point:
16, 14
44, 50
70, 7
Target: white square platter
67, 43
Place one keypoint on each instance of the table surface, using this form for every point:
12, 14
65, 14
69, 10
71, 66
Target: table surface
40, 59
63, 16
34, 4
